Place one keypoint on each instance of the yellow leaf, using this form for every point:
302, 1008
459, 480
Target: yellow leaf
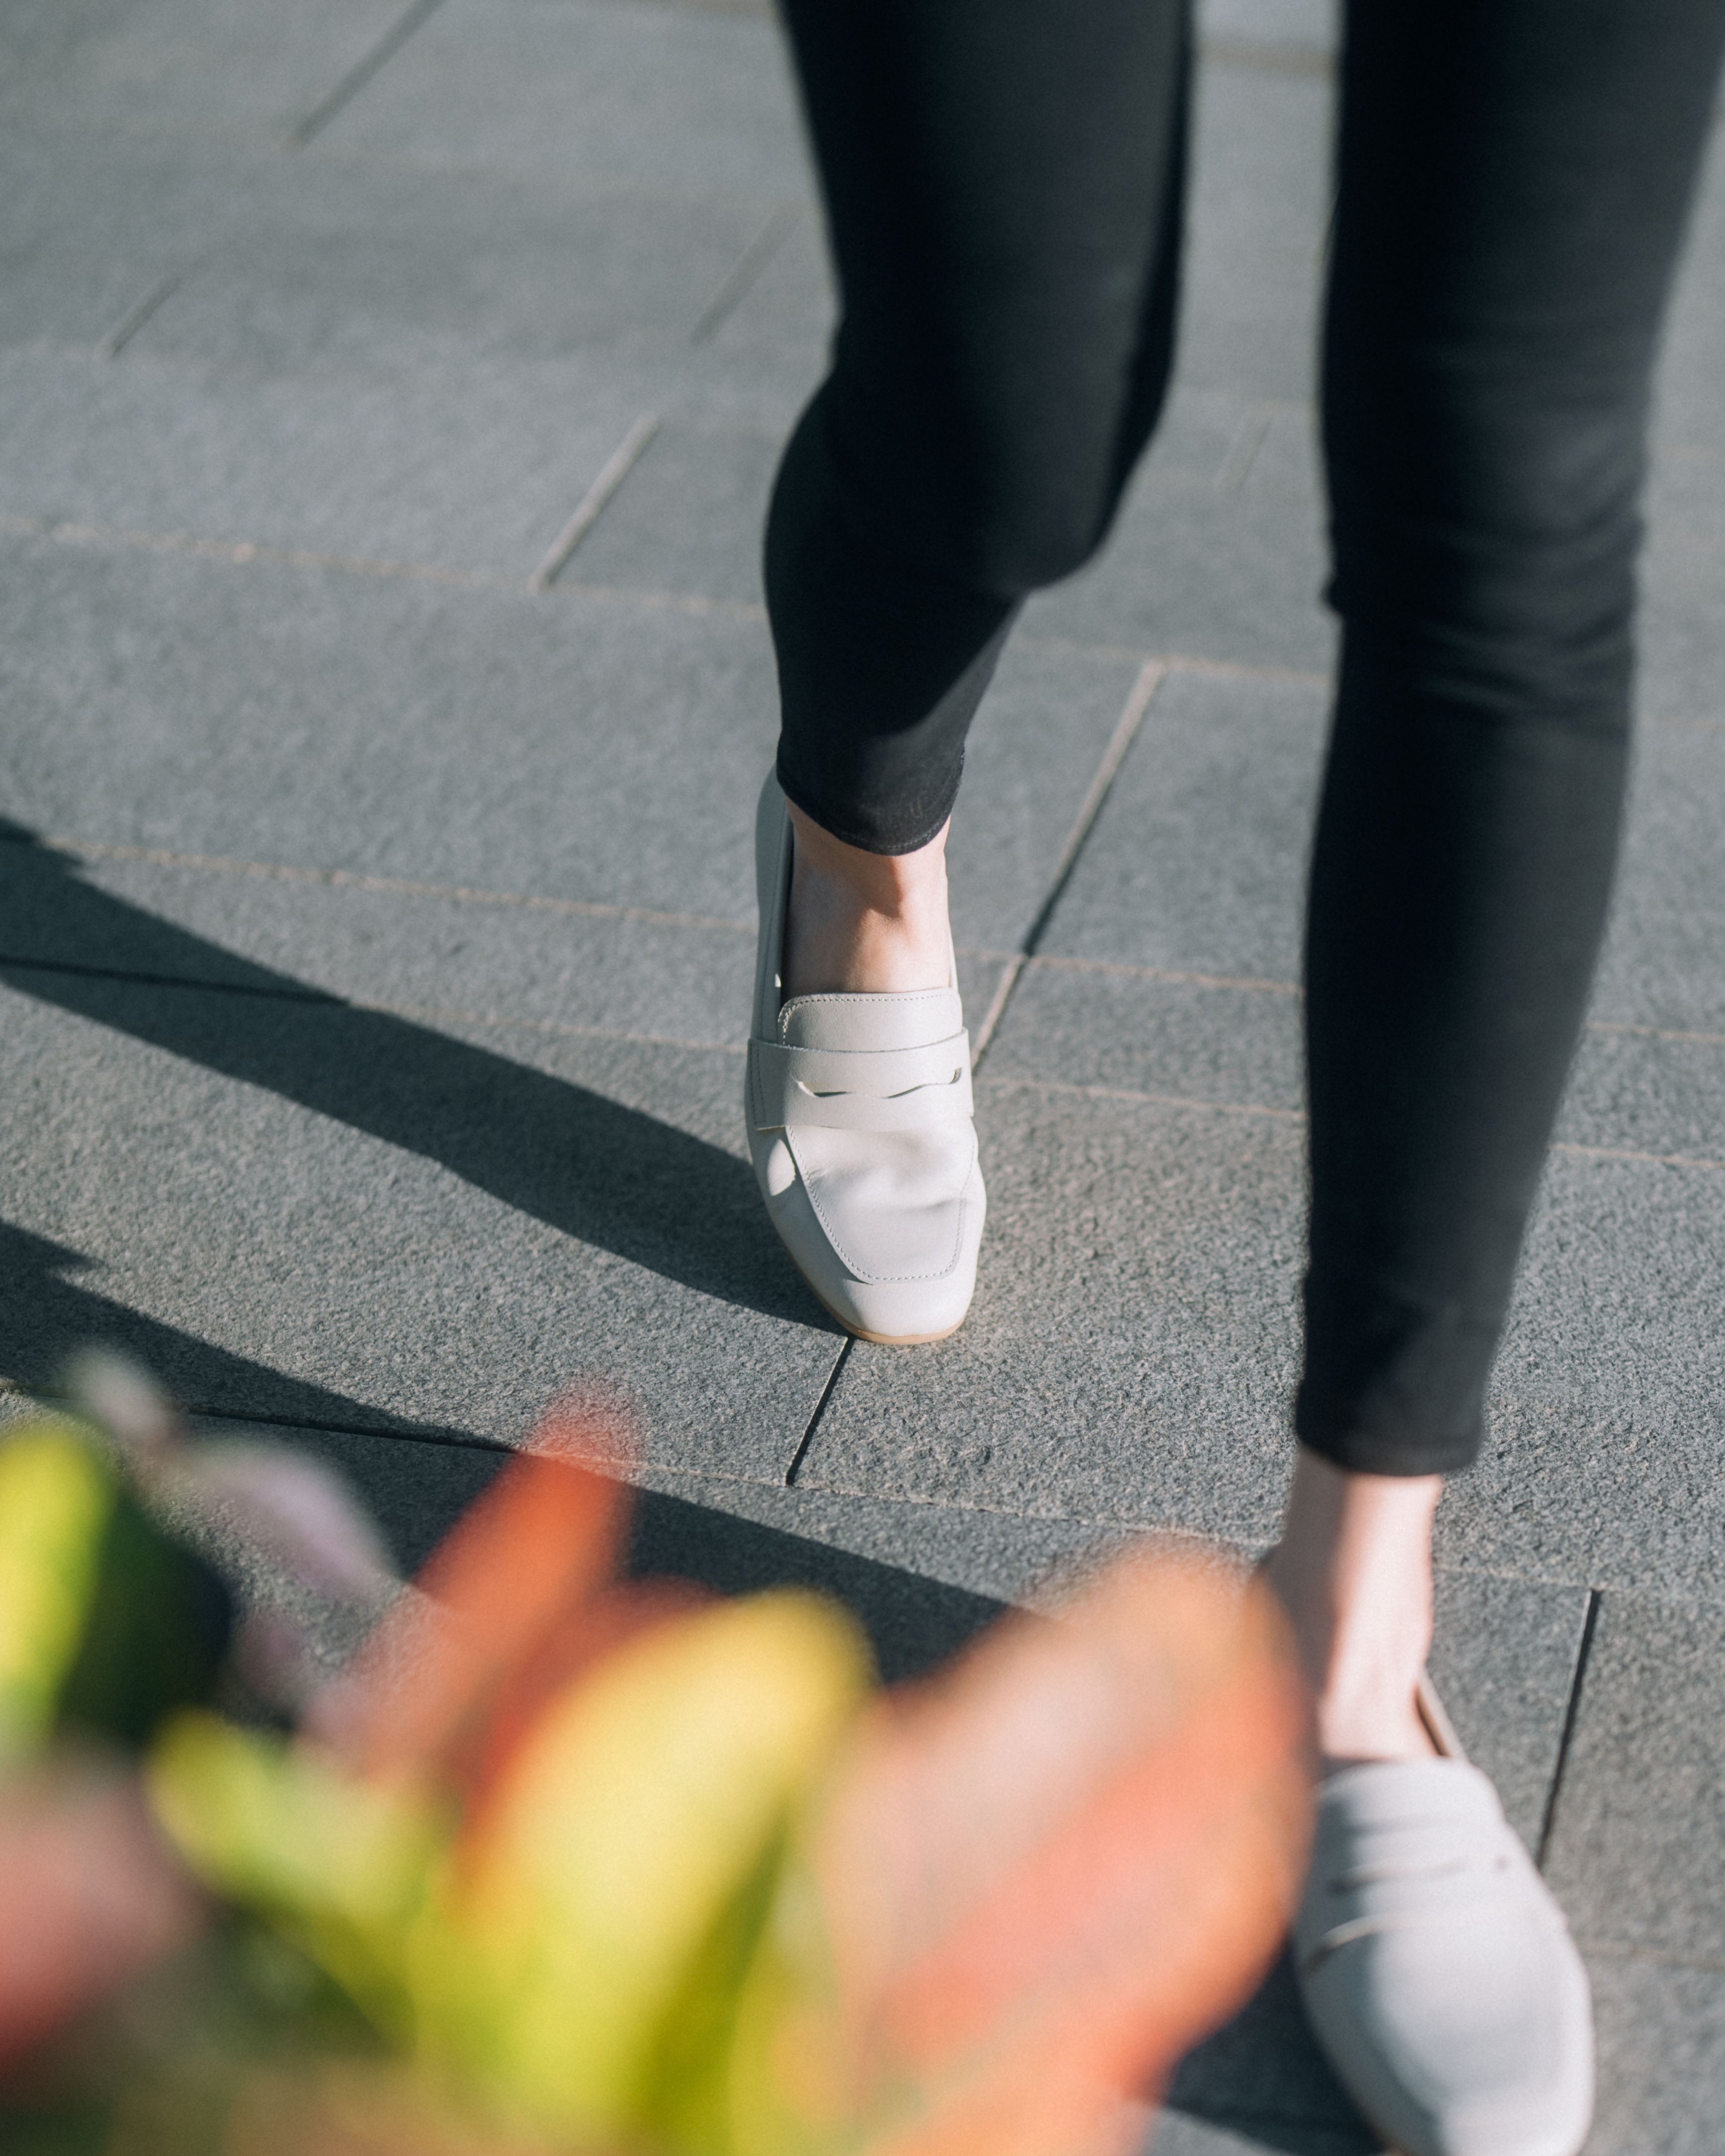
56, 1496
342, 1866
634, 1822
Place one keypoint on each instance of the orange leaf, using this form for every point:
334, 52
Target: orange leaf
528, 1558
1050, 1869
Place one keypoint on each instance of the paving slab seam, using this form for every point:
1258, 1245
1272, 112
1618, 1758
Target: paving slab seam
606, 485
1060, 961
1565, 1145
133, 320
1178, 662
266, 151
1652, 1957
636, 1470
326, 999
243, 553
383, 51
689, 603
246, 553
97, 850
594, 187
405, 1434
1683, 726
1149, 1099
736, 286
1236, 466
1656, 1033
1143, 694
1572, 1710
249, 552
1115, 1526
800, 1451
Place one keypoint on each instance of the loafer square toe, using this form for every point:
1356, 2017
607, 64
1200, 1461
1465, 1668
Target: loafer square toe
859, 1127
1437, 1970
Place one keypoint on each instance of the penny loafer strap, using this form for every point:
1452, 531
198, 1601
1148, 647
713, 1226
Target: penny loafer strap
871, 1089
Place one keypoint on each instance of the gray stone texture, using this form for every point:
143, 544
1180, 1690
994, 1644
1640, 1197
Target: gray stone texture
375, 935
209, 67
1223, 562
622, 92
1661, 2056
1196, 863
559, 744
440, 1226
332, 464
1640, 1817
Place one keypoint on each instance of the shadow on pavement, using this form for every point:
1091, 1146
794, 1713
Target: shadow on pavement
603, 1174
1262, 2079
45, 1317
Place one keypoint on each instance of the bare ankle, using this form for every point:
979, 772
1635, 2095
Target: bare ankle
865, 923
1353, 1571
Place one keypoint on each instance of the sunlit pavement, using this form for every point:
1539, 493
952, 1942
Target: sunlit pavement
388, 402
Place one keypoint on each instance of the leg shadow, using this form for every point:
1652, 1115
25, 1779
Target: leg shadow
604, 1174
46, 1317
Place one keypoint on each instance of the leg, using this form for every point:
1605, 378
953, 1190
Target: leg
1002, 181
1514, 180
1003, 187
1514, 175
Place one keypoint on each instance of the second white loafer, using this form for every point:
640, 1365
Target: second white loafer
859, 1127
1437, 1970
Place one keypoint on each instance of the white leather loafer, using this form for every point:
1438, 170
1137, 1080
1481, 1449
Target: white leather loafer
860, 1125
1437, 1970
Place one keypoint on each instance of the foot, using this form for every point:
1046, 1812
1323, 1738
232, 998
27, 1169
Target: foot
1353, 1572
858, 1081
861, 923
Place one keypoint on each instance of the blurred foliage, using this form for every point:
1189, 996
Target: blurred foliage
561, 1862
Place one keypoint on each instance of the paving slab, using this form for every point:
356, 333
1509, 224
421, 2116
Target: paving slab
1652, 1093
1088, 1023
469, 467
442, 1226
562, 745
1687, 407
1638, 1845
1504, 1661
689, 518
1133, 1346
1130, 1353
1661, 2031
1196, 861
790, 304
1606, 1460
1681, 645
550, 966
1202, 565
1260, 2081
554, 964
93, 223
204, 67
1260, 213
1118, 1028
1175, 2132
1664, 962
344, 266
622, 91
1273, 26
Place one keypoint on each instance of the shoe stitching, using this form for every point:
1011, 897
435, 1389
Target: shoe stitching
1352, 1929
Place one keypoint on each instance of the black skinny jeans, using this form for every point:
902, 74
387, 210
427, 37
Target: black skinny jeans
1002, 182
